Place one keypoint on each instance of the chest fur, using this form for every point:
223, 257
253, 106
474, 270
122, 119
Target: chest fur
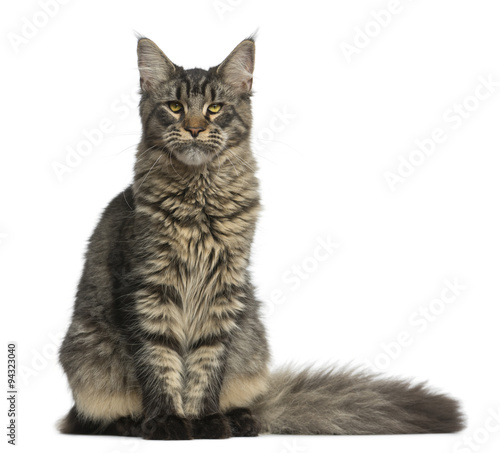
201, 258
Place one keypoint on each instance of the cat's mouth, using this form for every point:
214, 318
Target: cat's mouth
194, 154
195, 151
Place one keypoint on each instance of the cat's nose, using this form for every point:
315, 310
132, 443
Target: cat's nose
194, 131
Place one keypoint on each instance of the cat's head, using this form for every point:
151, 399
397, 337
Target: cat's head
195, 114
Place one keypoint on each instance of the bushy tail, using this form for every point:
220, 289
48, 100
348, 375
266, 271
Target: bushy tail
340, 401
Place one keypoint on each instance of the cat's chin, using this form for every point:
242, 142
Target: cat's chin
194, 156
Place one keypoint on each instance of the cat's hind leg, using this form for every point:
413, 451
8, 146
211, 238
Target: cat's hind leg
238, 392
102, 382
243, 423
75, 423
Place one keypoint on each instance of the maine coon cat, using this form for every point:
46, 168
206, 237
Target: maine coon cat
166, 341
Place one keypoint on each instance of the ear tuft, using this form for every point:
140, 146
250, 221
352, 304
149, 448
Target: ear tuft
154, 66
237, 69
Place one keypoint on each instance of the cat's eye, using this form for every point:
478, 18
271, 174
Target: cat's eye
175, 106
214, 108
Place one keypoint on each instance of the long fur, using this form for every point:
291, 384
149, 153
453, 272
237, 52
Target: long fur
343, 401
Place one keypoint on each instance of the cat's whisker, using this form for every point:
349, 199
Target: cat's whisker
172, 164
274, 141
241, 160
236, 171
128, 133
135, 145
218, 171
143, 154
159, 157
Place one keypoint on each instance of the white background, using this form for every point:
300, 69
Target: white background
323, 176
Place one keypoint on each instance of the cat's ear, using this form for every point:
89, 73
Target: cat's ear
237, 69
154, 66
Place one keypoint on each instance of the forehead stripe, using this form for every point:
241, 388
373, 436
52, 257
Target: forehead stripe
204, 86
188, 86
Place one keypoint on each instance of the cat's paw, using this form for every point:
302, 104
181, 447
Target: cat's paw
124, 426
215, 426
243, 423
167, 427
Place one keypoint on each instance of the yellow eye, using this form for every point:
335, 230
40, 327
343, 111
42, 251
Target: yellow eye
175, 106
214, 108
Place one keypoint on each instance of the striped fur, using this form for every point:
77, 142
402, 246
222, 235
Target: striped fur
166, 341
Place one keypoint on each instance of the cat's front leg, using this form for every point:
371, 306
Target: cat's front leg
159, 372
205, 371
206, 364
162, 401
158, 363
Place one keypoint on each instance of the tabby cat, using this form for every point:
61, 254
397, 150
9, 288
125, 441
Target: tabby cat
166, 341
